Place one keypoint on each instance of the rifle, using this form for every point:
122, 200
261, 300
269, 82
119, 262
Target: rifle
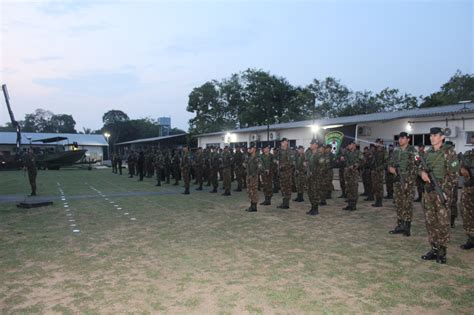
434, 182
397, 169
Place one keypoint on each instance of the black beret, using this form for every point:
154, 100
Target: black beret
314, 141
252, 145
284, 139
436, 130
403, 134
300, 147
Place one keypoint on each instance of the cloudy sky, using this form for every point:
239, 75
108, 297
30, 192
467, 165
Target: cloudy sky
144, 57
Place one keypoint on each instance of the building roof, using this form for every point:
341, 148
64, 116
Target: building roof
81, 139
357, 119
151, 139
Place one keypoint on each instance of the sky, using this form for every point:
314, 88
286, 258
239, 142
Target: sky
144, 57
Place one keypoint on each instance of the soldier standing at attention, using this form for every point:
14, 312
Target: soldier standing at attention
467, 197
214, 164
365, 174
376, 173
389, 176
131, 164
158, 164
29, 163
119, 163
352, 158
186, 169
420, 185
114, 163
341, 165
227, 161
267, 162
239, 168
315, 164
442, 164
285, 166
175, 166
276, 177
300, 174
199, 167
403, 169
327, 175
252, 166
141, 166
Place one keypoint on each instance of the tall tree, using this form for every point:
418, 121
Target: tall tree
460, 87
113, 116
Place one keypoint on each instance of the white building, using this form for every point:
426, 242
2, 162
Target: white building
458, 119
96, 145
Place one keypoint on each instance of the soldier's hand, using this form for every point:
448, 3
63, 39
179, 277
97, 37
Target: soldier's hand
392, 170
464, 172
425, 177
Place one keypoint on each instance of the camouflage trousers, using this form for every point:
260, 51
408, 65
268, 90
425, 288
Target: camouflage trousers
437, 219
267, 184
300, 179
366, 180
158, 174
227, 178
326, 186
342, 181
32, 179
252, 183
389, 182
454, 203
314, 191
403, 199
376, 177
467, 210
286, 182
214, 182
351, 177
186, 177
239, 176
199, 174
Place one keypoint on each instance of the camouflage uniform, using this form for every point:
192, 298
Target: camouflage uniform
266, 160
404, 161
300, 176
131, 164
252, 165
377, 166
352, 160
316, 164
158, 164
214, 162
175, 166
389, 179
227, 161
285, 167
167, 166
199, 163
326, 177
185, 171
276, 177
444, 165
239, 169
30, 163
366, 178
467, 200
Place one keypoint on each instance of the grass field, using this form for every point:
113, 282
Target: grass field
144, 249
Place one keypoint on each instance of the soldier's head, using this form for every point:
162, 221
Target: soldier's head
185, 148
199, 149
351, 146
314, 145
252, 148
436, 136
301, 149
226, 148
366, 149
421, 148
266, 149
403, 139
284, 143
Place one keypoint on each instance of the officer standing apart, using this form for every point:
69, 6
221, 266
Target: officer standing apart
441, 166
252, 165
467, 197
29, 163
403, 169
285, 166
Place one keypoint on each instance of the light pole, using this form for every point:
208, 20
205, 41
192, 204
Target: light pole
107, 136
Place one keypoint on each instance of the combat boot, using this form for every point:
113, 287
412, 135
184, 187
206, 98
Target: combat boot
329, 195
200, 187
226, 193
407, 228
249, 208
266, 202
186, 191
469, 244
253, 207
343, 195
158, 184
398, 229
176, 183
353, 206
285, 204
432, 254
214, 190
314, 210
441, 258
378, 202
453, 221
299, 198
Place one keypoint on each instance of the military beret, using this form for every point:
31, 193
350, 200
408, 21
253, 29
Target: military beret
352, 142
314, 141
436, 130
403, 134
300, 147
252, 145
284, 139
449, 142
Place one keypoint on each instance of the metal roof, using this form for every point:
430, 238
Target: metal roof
151, 139
81, 139
357, 119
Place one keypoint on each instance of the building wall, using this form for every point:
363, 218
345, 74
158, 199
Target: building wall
462, 123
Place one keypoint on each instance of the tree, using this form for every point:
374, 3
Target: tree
61, 124
460, 87
113, 116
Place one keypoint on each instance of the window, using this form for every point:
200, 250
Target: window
468, 136
241, 144
416, 139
